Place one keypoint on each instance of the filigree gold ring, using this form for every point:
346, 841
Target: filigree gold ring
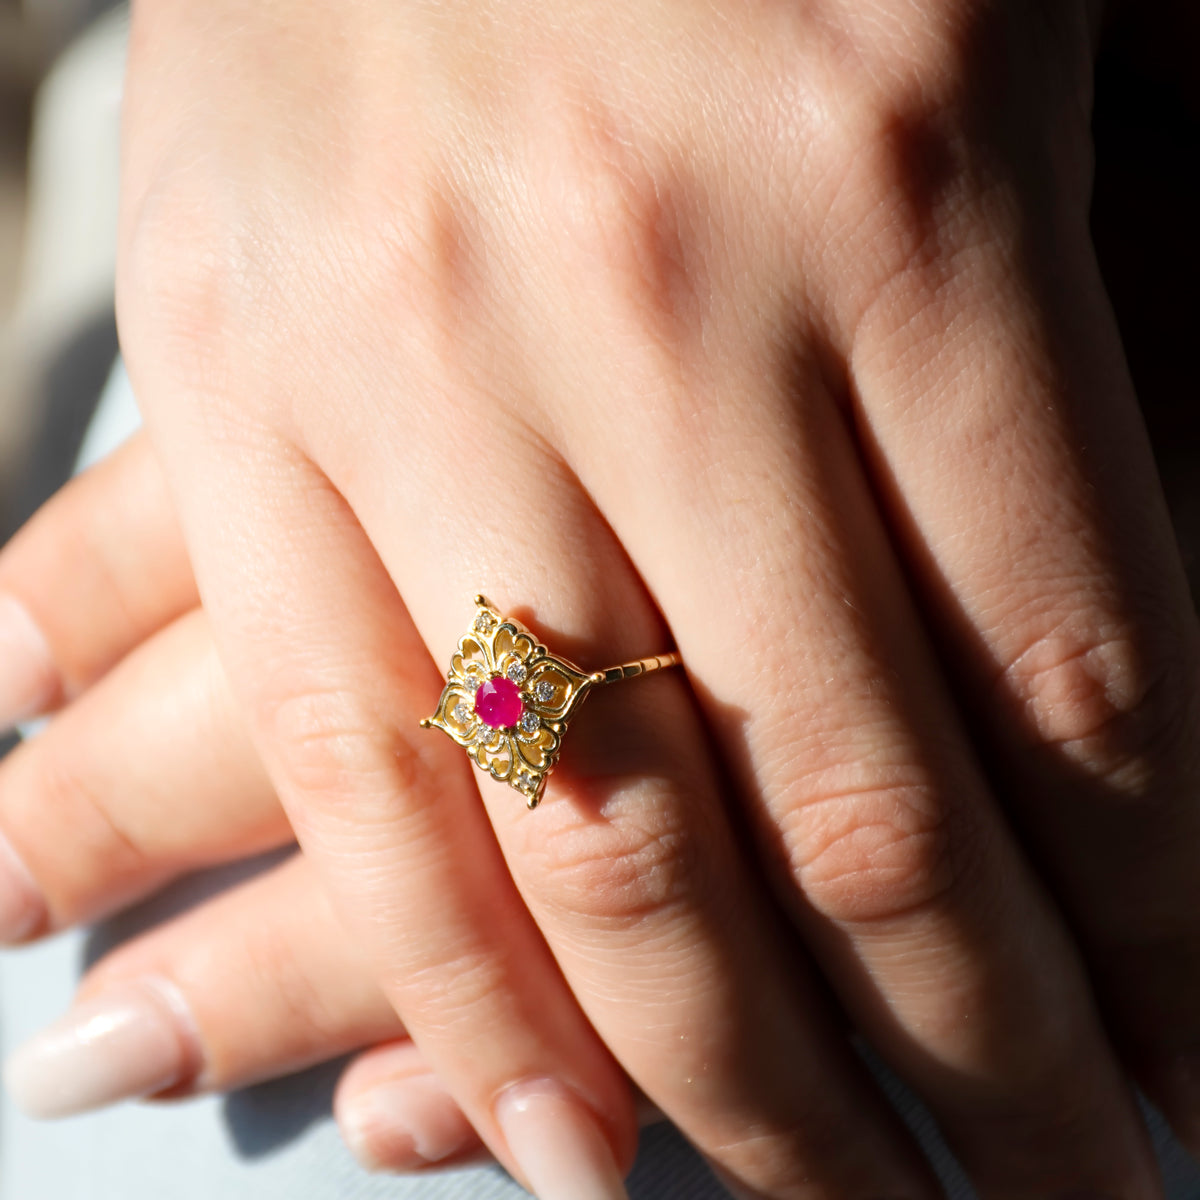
508, 700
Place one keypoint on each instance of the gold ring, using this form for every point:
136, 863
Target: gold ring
507, 699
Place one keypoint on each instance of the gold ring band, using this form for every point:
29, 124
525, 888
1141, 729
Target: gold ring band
507, 699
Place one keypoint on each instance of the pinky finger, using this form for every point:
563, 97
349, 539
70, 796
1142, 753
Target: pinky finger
396, 1115
259, 982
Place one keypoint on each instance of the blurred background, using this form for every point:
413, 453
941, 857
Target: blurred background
61, 63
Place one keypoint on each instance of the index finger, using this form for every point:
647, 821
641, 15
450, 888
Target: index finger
98, 569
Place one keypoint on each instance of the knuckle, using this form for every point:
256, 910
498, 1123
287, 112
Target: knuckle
917, 198
777, 1159
426, 263
427, 284
443, 995
198, 273
82, 553
104, 852
176, 277
876, 852
906, 188
1124, 709
298, 1006
616, 218
615, 874
329, 745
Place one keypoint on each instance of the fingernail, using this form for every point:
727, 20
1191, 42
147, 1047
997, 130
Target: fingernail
28, 676
133, 1040
557, 1144
22, 909
404, 1125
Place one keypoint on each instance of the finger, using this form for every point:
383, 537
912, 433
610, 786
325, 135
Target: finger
98, 569
256, 983
795, 621
395, 1115
394, 825
394, 822
1048, 564
147, 775
633, 871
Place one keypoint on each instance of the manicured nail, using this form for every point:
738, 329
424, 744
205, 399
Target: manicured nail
22, 909
28, 676
557, 1144
133, 1040
404, 1125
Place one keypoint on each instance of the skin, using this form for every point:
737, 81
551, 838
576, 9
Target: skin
524, 318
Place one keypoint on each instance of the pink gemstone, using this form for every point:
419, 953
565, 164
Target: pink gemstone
498, 702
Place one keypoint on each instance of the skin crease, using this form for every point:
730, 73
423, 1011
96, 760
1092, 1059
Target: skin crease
753, 287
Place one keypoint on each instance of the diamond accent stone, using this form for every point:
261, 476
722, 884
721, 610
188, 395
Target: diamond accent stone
482, 734
544, 691
472, 684
530, 723
485, 622
518, 672
462, 714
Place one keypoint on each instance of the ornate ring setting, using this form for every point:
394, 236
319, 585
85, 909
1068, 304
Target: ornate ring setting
508, 700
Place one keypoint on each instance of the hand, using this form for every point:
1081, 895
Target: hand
430, 232
148, 773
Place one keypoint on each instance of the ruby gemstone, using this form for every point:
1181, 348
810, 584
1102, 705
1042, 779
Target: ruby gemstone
498, 702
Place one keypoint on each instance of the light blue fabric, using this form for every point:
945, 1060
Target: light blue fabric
277, 1141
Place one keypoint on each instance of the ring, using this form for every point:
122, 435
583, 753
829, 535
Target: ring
507, 699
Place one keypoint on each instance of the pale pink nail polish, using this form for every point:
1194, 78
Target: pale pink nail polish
133, 1040
22, 909
557, 1144
405, 1124
28, 677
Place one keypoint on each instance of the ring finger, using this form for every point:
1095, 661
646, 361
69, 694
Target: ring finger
631, 867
